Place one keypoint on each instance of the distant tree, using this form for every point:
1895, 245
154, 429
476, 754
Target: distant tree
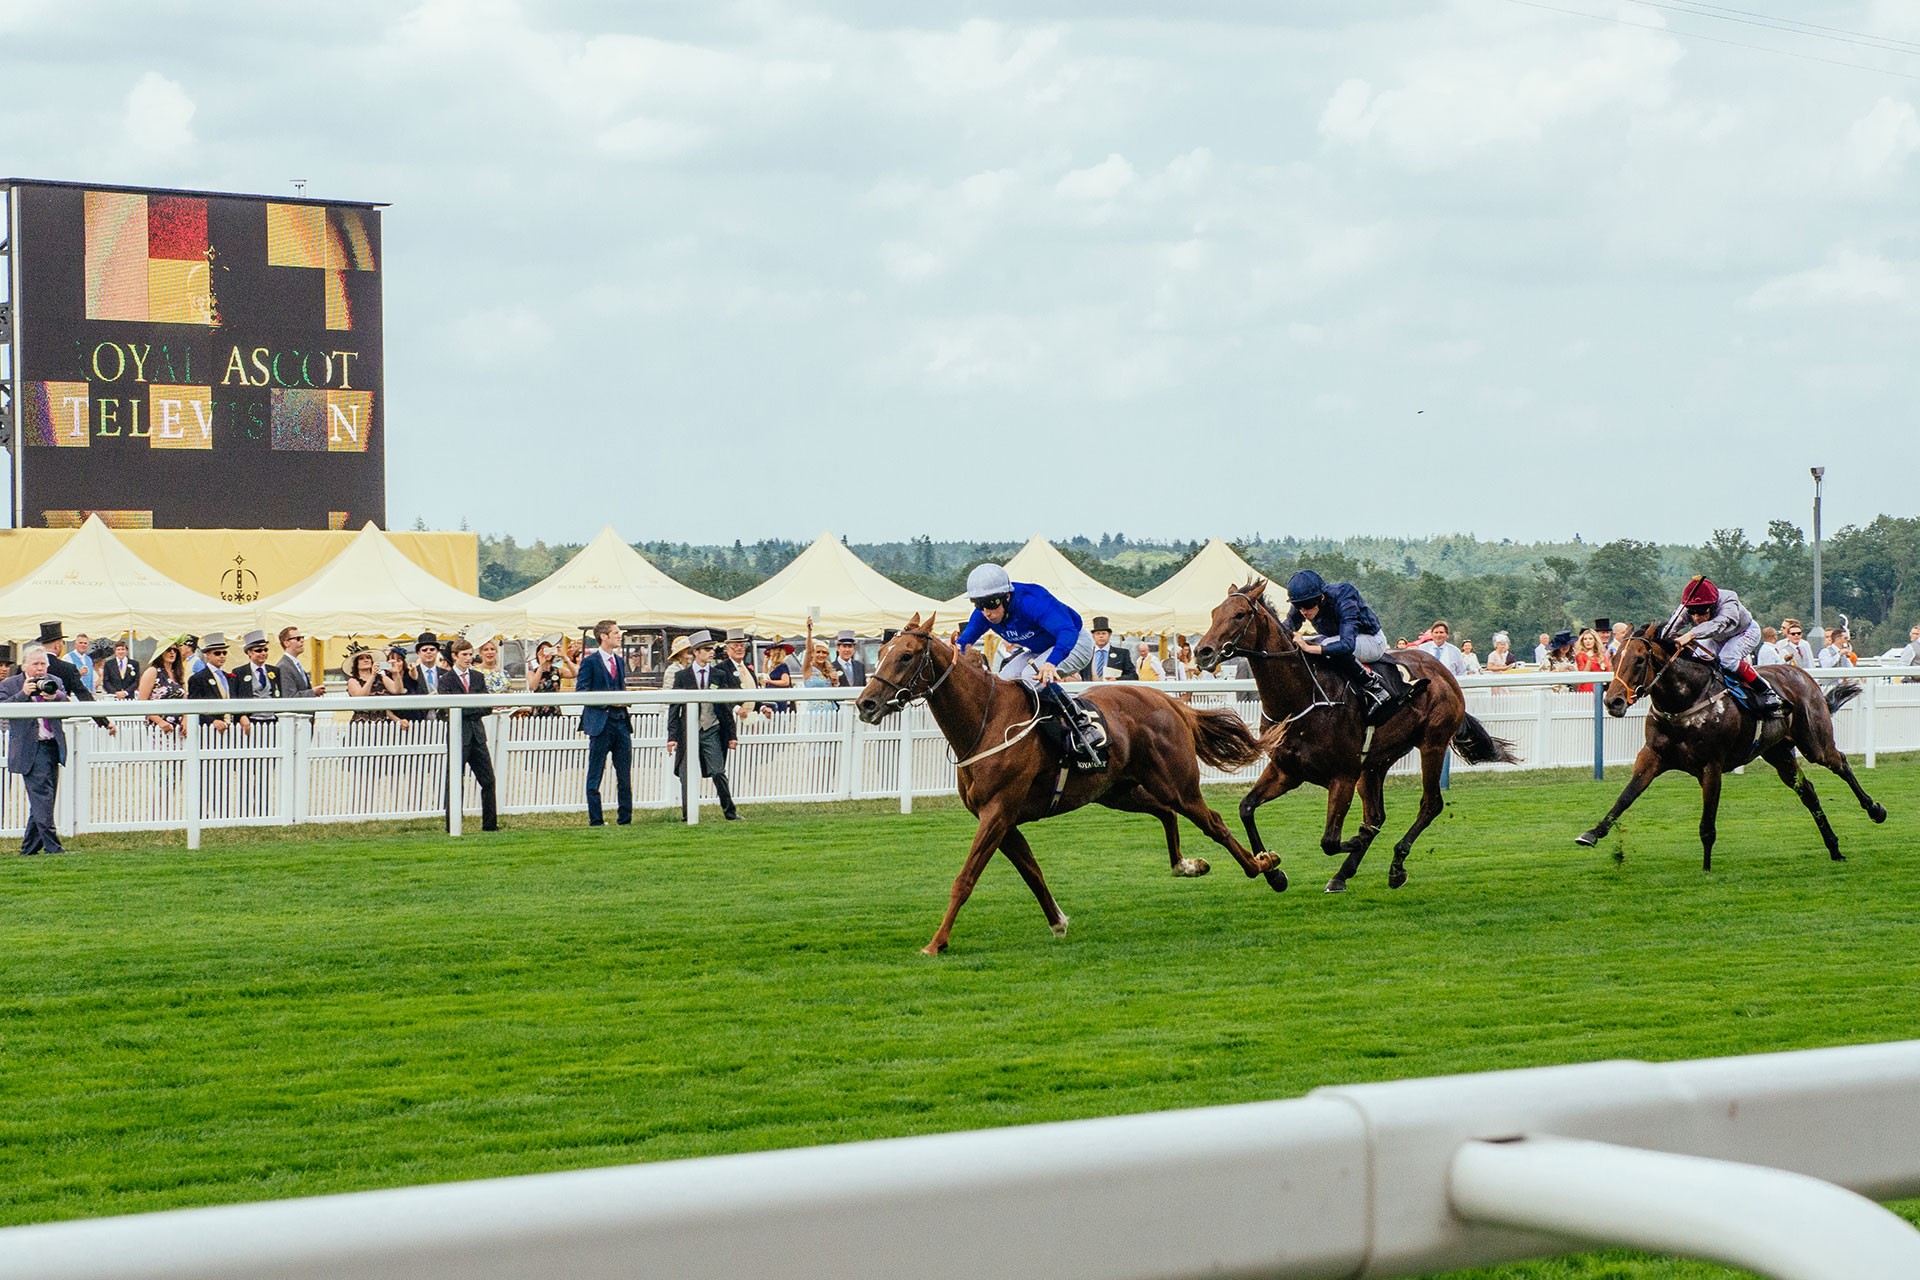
1622, 580
1786, 580
1725, 558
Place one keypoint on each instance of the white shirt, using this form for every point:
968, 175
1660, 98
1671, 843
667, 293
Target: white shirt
1768, 655
1910, 656
1449, 656
1539, 655
1832, 657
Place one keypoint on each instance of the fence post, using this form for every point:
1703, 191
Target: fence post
689, 763
1871, 706
1599, 732
300, 760
74, 802
1543, 727
190, 780
456, 776
906, 759
849, 749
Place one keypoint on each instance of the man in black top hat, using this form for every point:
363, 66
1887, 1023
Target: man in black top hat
1108, 657
53, 638
427, 646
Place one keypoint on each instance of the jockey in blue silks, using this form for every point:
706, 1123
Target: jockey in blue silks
1348, 637
1051, 643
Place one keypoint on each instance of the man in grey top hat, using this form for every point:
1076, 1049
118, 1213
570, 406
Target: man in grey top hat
262, 677
845, 659
716, 735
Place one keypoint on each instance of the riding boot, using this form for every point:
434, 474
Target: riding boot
1766, 702
1078, 729
1377, 701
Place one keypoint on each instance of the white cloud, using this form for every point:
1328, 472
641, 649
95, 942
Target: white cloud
1848, 275
1880, 142
908, 261
1102, 181
159, 115
644, 138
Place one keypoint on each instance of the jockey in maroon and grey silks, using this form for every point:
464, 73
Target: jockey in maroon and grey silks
1717, 622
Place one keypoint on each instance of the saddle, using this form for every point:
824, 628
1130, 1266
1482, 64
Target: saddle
1393, 673
1054, 734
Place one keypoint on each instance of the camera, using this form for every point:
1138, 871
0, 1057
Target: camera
46, 687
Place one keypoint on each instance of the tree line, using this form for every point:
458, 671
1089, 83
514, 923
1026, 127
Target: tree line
1870, 573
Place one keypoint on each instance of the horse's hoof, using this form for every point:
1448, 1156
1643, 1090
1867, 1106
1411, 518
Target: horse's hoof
1587, 839
1188, 868
931, 950
1838, 856
1060, 930
1877, 811
1336, 885
1277, 879
1396, 876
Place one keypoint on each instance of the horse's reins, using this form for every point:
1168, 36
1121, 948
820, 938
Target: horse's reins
904, 696
1231, 648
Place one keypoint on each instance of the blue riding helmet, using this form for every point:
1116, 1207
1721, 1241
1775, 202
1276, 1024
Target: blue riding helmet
1305, 587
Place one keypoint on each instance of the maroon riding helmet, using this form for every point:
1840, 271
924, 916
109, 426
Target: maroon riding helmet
1700, 593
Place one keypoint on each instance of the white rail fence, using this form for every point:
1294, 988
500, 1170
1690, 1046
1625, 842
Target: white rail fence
1769, 1163
314, 763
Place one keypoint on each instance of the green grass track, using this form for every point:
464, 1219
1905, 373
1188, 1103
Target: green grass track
336, 1008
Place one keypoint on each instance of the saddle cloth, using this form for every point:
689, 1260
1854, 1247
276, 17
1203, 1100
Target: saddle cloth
1053, 733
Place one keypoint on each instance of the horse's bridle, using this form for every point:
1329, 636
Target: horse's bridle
1634, 695
1231, 648
903, 692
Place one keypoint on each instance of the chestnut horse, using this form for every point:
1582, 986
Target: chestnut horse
1010, 776
1696, 727
1319, 734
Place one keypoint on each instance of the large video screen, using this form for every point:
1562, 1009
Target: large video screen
191, 360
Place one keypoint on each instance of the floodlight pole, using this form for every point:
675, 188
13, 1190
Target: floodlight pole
1819, 627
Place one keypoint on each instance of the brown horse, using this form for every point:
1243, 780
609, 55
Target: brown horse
1696, 727
1010, 776
1318, 733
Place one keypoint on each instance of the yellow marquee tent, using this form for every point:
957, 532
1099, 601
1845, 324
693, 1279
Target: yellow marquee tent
371, 589
609, 579
1039, 561
97, 587
1202, 583
833, 587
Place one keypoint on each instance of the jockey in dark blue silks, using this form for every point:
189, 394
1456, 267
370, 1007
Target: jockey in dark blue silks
1348, 637
1052, 643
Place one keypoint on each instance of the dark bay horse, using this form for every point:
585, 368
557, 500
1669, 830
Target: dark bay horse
1009, 775
1317, 732
1696, 727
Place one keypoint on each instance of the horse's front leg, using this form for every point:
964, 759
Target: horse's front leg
1646, 767
1709, 812
1339, 801
1272, 783
995, 823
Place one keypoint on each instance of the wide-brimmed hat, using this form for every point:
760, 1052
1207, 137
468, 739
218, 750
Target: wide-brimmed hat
1101, 624
253, 639
788, 645
51, 631
678, 647
214, 640
1561, 640
700, 640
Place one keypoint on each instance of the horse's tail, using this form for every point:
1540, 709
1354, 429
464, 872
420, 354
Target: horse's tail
1841, 694
1477, 746
1221, 737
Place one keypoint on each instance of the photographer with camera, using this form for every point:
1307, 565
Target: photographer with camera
36, 749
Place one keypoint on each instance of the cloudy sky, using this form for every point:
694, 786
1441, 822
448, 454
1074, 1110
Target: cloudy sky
712, 270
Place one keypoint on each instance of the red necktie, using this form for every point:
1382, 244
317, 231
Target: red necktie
464, 686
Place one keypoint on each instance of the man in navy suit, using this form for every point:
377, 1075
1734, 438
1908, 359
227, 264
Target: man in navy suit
1108, 657
460, 680
608, 730
35, 750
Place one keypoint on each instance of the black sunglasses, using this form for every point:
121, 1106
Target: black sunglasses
992, 602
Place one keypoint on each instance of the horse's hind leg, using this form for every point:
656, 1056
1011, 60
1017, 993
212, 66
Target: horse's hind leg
1781, 757
1014, 845
1432, 756
1646, 767
1829, 754
1272, 783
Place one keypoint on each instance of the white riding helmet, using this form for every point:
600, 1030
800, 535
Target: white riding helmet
987, 581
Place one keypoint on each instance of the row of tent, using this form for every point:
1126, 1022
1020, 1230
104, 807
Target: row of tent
96, 585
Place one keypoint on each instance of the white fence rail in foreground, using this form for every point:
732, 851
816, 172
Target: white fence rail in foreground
314, 763
1762, 1162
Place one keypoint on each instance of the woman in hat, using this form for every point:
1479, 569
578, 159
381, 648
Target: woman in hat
402, 680
164, 678
366, 680
486, 661
820, 672
779, 671
677, 661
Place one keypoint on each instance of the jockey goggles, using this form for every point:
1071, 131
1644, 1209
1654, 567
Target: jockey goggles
992, 602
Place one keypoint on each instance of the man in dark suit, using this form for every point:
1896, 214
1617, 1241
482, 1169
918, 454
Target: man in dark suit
608, 729
1108, 657
53, 638
119, 675
850, 666
35, 750
215, 682
716, 724
261, 677
461, 678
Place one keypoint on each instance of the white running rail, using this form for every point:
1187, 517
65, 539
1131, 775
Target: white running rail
1766, 1162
